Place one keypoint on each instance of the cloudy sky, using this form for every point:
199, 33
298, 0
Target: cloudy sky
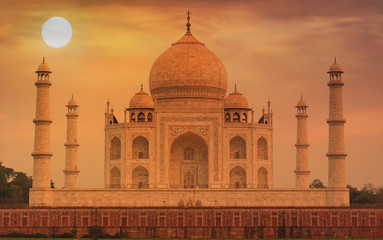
271, 49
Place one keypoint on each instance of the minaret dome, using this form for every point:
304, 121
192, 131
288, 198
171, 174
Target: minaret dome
43, 67
335, 68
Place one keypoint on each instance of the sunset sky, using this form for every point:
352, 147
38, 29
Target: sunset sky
271, 49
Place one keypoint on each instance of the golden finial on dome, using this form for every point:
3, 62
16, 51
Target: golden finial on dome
142, 87
188, 23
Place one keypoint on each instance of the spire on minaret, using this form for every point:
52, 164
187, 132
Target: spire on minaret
268, 106
142, 86
334, 59
235, 87
107, 106
43, 59
188, 23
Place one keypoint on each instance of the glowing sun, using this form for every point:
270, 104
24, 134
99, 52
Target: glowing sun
57, 32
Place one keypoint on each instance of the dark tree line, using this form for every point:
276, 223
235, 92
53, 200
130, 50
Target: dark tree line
368, 195
14, 186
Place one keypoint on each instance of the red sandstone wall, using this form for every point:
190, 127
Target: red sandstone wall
203, 222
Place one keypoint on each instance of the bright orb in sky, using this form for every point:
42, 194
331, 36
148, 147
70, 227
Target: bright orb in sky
57, 32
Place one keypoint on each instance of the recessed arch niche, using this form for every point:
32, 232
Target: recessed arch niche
140, 177
262, 177
237, 148
237, 177
115, 177
140, 148
186, 171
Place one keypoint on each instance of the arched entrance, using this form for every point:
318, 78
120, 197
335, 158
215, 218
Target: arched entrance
140, 178
188, 165
115, 178
237, 177
140, 148
262, 178
262, 152
237, 148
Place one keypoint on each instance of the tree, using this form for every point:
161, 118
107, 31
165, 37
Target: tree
379, 195
24, 183
368, 195
14, 186
5, 175
354, 194
15, 194
316, 183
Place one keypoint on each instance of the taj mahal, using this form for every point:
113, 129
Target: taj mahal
189, 142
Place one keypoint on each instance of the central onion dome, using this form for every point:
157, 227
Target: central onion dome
188, 70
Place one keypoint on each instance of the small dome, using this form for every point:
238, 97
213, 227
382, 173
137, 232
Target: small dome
335, 67
43, 67
72, 102
235, 100
141, 100
301, 103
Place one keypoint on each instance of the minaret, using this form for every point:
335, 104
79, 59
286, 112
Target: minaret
42, 154
336, 154
71, 161
302, 169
